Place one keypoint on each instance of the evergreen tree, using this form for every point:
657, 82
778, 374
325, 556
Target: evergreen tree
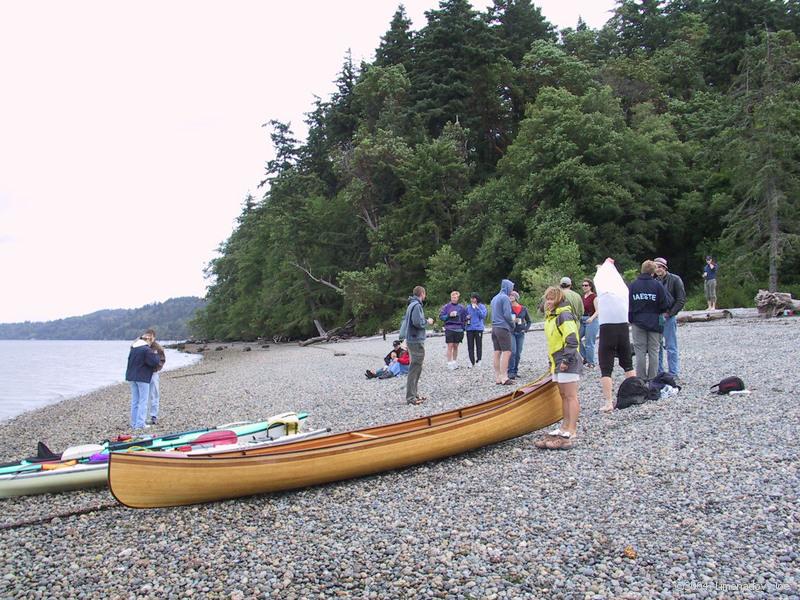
765, 146
453, 79
518, 24
398, 43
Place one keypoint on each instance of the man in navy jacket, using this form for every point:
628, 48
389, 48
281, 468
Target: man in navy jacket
649, 300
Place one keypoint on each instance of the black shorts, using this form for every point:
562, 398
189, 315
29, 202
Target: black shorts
615, 341
501, 339
453, 337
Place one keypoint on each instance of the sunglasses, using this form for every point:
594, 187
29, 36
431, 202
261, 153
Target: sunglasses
585, 285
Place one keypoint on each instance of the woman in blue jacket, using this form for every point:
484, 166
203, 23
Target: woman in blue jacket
476, 315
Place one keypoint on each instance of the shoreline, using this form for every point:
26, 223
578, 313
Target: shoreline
691, 484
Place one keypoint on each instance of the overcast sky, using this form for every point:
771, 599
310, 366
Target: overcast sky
130, 133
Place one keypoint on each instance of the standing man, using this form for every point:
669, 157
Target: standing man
502, 326
674, 286
454, 316
710, 283
142, 360
412, 330
573, 298
154, 397
648, 302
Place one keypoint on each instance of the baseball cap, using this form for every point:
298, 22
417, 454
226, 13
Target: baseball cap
566, 281
661, 261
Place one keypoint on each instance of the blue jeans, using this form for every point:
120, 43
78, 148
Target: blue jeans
517, 342
154, 397
589, 330
671, 346
139, 392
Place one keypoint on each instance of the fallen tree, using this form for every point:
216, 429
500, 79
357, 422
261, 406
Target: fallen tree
334, 335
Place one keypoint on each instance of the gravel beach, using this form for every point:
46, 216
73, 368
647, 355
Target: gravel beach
692, 497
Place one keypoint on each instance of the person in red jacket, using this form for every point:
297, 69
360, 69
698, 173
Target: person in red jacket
399, 360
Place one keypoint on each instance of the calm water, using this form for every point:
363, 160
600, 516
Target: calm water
34, 373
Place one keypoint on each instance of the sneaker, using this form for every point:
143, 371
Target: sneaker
369, 374
451, 365
153, 420
477, 363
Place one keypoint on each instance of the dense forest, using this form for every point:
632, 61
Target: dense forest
489, 145
169, 319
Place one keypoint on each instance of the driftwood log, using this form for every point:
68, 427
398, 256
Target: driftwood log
334, 335
701, 316
771, 304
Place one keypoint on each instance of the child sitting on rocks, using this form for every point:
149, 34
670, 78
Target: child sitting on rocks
397, 362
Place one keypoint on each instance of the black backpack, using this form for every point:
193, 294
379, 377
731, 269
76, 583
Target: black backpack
632, 391
662, 379
729, 384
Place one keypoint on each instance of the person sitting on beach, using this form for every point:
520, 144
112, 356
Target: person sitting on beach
566, 366
398, 361
392, 353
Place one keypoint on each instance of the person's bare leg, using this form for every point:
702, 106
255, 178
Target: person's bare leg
503, 372
569, 398
605, 383
498, 377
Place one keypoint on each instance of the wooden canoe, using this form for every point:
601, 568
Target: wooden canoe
147, 480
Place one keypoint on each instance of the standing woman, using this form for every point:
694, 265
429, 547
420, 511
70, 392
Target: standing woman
522, 322
561, 331
710, 282
476, 315
589, 323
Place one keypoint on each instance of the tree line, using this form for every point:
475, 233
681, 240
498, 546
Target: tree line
169, 319
489, 144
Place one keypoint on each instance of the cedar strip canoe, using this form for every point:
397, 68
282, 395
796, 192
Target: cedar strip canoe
148, 480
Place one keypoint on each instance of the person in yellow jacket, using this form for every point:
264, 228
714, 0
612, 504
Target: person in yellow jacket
566, 366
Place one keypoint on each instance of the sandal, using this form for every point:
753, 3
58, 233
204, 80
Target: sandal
508, 382
555, 440
414, 401
560, 443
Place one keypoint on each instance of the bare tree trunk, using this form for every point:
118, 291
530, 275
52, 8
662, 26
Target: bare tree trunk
773, 196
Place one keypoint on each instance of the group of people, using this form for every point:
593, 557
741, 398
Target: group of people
145, 359
600, 321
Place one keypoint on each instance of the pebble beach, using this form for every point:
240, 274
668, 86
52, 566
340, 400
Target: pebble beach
694, 496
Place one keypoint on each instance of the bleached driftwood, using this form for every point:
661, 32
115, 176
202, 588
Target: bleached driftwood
771, 304
701, 316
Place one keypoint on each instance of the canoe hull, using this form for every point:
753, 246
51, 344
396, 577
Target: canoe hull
139, 480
